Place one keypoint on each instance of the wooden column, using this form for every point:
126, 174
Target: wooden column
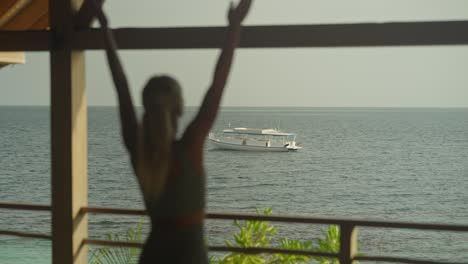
69, 138
348, 243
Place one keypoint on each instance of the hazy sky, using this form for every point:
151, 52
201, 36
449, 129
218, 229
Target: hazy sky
368, 77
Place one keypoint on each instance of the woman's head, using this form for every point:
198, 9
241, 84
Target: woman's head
162, 96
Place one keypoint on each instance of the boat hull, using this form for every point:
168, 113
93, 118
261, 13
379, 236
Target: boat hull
230, 146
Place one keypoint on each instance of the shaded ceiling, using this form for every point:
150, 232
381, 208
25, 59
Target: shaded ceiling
22, 15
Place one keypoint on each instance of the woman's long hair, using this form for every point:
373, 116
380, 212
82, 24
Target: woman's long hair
163, 103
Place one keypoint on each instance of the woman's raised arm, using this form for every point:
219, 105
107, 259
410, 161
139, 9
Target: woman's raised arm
201, 125
126, 108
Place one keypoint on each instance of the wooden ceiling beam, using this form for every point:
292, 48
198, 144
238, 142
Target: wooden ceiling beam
24, 40
290, 36
293, 36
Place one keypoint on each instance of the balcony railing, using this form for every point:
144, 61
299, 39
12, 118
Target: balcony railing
348, 240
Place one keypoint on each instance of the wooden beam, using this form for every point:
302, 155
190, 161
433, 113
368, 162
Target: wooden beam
338, 35
24, 40
69, 139
334, 35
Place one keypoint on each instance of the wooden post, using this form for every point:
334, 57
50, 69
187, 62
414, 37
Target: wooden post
348, 243
69, 139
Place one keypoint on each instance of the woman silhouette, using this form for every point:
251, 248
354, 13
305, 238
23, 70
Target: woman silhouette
170, 172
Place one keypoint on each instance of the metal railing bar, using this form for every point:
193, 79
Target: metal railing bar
116, 211
232, 216
402, 260
109, 243
294, 219
24, 234
23, 206
239, 250
274, 251
259, 250
334, 221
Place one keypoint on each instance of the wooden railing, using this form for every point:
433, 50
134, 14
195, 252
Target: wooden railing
348, 240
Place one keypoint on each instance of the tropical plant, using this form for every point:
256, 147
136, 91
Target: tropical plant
119, 255
260, 234
297, 245
330, 244
250, 234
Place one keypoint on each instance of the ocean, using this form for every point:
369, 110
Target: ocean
390, 164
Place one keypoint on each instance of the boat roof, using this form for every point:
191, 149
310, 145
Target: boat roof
258, 131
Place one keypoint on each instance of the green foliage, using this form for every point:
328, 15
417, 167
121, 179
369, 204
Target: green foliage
260, 234
249, 234
330, 244
254, 233
119, 255
293, 244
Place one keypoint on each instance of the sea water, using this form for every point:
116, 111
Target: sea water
362, 163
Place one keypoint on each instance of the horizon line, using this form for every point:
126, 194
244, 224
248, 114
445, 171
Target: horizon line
272, 106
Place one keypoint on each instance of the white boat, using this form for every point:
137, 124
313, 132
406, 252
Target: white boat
255, 139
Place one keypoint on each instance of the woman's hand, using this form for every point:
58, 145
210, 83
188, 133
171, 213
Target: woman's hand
237, 14
99, 13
